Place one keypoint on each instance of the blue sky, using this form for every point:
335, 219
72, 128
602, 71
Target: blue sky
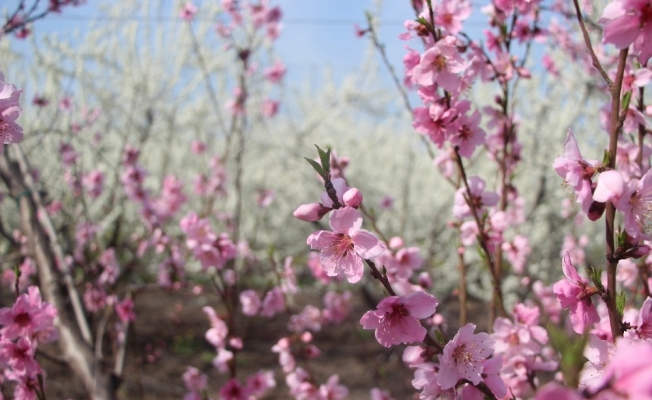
316, 34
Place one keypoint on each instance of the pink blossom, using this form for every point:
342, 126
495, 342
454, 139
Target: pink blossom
194, 380
218, 332
344, 249
574, 293
478, 197
269, 108
516, 252
308, 319
576, 171
125, 310
630, 368
19, 356
468, 134
396, 318
250, 302
29, 317
233, 390
449, 15
332, 390
188, 12
463, 357
440, 65
336, 306
379, 394
554, 391
10, 132
644, 321
275, 73
626, 22
259, 383
598, 353
273, 303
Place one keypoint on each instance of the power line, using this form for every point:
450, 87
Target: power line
288, 21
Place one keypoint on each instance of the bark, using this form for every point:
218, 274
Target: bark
75, 351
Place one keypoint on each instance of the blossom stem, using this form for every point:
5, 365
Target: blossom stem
610, 213
497, 298
589, 46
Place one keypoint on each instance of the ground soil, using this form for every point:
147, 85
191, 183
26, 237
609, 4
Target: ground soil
168, 336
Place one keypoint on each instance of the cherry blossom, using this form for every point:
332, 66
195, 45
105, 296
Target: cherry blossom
463, 357
576, 171
626, 22
574, 293
344, 249
10, 132
396, 318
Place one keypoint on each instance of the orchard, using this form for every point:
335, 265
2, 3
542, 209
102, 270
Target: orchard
469, 221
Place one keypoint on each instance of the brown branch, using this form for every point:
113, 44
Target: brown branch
587, 42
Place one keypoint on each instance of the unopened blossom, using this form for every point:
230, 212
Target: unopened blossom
634, 199
576, 171
310, 212
343, 249
629, 22
463, 357
396, 318
574, 293
10, 132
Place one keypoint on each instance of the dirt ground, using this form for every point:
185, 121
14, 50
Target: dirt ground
168, 336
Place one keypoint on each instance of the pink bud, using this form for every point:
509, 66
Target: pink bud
412, 355
396, 243
310, 212
306, 337
424, 280
236, 343
352, 198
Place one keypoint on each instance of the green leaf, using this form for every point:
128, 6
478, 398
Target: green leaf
626, 99
316, 166
439, 336
325, 158
571, 351
620, 303
595, 274
606, 158
423, 22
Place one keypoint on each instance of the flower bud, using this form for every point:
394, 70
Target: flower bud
396, 243
352, 198
310, 212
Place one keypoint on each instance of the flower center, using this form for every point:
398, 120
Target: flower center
461, 355
22, 319
342, 245
439, 62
